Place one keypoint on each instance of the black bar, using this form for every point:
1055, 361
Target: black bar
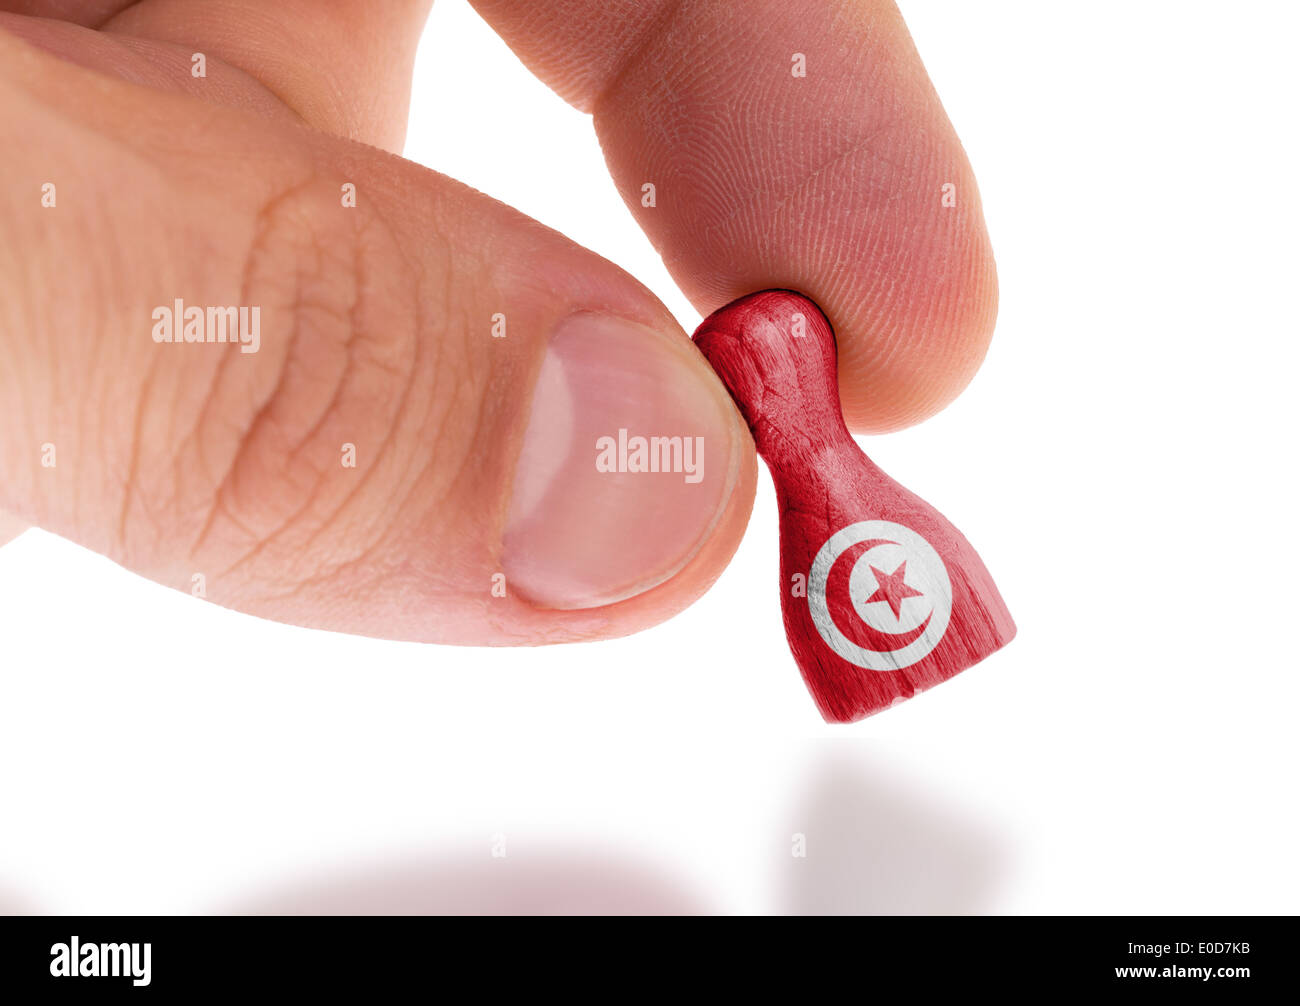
1243, 957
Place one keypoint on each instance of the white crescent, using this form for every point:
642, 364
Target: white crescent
925, 572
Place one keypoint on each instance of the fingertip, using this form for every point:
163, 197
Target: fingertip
911, 346
804, 148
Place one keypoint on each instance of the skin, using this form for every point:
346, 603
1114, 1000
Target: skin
173, 461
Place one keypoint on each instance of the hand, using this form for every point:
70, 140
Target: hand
472, 509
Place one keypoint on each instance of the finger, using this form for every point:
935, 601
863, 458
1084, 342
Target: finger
343, 67
155, 64
88, 13
411, 447
835, 183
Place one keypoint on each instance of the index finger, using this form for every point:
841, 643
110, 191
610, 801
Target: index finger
795, 144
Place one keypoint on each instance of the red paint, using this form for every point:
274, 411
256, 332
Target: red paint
881, 596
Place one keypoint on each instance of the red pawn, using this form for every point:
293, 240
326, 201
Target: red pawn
881, 596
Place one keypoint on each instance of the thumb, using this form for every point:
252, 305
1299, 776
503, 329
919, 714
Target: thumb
10, 528
312, 381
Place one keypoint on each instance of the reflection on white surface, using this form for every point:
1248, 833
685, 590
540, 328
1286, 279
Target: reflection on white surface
877, 847
556, 883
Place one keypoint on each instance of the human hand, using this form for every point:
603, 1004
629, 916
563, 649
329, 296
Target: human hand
473, 511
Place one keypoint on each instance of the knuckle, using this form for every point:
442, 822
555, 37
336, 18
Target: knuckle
304, 427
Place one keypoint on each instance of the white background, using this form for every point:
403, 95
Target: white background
1125, 462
